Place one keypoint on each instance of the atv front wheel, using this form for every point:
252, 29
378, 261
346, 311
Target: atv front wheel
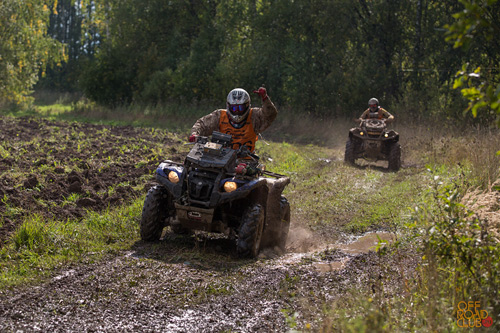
349, 152
154, 213
285, 222
250, 233
395, 157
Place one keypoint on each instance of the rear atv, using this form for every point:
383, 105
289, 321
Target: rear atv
209, 193
372, 141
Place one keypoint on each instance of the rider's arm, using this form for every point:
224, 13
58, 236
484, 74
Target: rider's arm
263, 117
364, 115
207, 124
389, 118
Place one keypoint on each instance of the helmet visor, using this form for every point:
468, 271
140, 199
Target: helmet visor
238, 109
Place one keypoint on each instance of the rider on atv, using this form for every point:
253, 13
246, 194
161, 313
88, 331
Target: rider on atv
239, 119
374, 111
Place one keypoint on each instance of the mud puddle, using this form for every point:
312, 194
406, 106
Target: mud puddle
368, 242
364, 244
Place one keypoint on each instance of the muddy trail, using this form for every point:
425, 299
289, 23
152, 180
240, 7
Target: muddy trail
189, 283
157, 288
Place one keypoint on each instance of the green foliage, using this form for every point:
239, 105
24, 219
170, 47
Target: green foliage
476, 30
26, 48
461, 253
324, 57
460, 262
145, 42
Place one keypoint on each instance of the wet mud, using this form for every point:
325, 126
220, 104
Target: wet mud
43, 164
168, 287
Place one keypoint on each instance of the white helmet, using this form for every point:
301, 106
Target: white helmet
238, 105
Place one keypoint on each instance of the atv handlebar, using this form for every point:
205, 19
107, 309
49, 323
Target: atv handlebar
244, 151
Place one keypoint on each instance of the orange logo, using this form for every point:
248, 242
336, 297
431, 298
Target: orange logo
470, 315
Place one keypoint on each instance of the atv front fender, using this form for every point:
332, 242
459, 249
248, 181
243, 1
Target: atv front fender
242, 191
162, 177
272, 227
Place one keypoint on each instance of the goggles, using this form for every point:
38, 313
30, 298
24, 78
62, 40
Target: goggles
238, 109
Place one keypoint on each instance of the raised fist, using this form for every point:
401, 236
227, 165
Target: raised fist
262, 92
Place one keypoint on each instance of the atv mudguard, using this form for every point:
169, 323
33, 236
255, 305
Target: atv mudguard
272, 227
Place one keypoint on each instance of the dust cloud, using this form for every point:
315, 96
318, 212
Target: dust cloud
301, 239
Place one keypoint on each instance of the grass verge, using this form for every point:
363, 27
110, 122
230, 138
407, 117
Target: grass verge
39, 246
454, 288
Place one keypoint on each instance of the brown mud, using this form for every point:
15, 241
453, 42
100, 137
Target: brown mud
160, 288
43, 163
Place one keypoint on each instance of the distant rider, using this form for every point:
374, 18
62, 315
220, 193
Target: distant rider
239, 119
374, 111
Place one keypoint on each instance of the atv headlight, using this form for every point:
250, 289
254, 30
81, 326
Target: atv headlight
361, 133
386, 135
173, 177
230, 186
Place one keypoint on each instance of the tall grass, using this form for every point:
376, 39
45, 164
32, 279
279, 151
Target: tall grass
471, 149
459, 269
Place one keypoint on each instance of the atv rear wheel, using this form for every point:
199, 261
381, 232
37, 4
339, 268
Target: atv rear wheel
395, 157
349, 152
250, 234
285, 222
154, 213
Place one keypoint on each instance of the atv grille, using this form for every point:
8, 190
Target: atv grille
201, 185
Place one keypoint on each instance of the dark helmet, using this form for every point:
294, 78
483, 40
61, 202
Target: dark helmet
373, 104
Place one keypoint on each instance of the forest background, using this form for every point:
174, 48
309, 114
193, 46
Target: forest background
321, 57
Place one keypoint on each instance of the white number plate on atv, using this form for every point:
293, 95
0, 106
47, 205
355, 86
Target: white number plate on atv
212, 148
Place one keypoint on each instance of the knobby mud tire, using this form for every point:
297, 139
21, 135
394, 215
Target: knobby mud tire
154, 213
250, 234
395, 157
349, 152
285, 223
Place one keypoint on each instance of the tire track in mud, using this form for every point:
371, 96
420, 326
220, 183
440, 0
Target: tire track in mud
169, 287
